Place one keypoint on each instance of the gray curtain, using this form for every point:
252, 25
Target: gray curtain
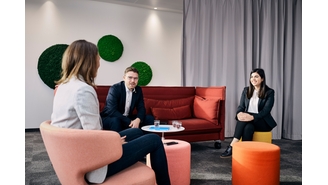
223, 40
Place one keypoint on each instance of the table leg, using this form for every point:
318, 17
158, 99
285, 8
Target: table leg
148, 160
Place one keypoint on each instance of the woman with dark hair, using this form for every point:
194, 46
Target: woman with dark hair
254, 110
76, 106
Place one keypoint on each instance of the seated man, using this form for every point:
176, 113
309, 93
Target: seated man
122, 99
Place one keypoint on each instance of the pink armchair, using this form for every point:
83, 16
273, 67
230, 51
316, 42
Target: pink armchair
74, 152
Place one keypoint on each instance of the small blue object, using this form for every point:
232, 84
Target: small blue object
159, 128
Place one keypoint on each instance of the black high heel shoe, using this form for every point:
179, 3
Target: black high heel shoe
227, 153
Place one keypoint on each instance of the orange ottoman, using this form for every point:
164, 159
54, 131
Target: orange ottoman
255, 163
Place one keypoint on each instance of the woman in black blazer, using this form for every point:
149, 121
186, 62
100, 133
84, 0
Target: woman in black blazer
254, 110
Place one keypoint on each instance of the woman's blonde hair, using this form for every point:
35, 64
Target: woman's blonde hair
80, 60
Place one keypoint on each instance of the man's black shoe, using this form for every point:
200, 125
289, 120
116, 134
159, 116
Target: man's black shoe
227, 153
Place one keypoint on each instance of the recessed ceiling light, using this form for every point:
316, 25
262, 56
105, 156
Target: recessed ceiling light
155, 8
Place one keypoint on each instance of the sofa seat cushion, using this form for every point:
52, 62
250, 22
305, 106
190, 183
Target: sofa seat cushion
182, 112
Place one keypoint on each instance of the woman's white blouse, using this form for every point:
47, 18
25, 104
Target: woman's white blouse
253, 103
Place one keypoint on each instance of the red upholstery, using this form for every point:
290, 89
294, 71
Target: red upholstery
216, 92
196, 129
172, 103
102, 92
174, 113
206, 108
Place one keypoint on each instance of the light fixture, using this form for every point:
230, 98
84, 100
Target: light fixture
155, 8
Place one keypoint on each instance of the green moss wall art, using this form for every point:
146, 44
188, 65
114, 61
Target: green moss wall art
49, 64
145, 73
110, 48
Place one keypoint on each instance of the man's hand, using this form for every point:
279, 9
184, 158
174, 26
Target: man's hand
244, 116
135, 123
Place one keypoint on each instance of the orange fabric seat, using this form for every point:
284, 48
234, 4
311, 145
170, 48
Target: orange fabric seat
74, 152
255, 163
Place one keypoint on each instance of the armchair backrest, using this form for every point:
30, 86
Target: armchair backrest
74, 152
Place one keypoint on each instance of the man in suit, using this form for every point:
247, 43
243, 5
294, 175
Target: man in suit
122, 99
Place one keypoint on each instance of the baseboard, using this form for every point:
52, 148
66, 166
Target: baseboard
32, 130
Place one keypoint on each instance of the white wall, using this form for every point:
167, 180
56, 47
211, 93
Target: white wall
147, 35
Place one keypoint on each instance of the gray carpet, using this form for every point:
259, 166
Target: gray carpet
207, 168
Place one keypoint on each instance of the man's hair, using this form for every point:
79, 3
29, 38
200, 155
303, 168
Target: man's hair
133, 69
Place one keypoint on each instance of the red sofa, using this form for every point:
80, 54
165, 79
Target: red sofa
200, 109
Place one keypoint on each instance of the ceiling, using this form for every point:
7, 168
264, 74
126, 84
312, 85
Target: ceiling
162, 5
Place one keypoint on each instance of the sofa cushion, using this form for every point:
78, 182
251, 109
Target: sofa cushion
206, 108
182, 112
153, 103
101, 106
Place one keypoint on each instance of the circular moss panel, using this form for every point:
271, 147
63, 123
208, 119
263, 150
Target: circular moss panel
49, 64
110, 48
145, 73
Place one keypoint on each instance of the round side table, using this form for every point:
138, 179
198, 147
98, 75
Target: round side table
162, 129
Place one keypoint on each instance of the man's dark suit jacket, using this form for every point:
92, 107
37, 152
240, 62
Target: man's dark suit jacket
115, 103
264, 106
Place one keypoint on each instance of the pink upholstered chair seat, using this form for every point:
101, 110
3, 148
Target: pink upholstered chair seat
74, 152
128, 176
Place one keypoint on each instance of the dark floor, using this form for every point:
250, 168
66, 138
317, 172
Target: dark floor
206, 165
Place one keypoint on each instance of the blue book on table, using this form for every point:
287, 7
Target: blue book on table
159, 128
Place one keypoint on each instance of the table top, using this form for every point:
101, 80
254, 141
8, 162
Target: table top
161, 128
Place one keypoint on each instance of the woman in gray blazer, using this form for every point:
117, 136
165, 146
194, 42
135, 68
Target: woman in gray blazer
254, 110
76, 106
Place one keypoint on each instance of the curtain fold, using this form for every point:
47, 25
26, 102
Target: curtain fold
223, 40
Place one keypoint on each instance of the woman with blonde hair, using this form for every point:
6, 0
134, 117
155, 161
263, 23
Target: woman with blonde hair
76, 106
